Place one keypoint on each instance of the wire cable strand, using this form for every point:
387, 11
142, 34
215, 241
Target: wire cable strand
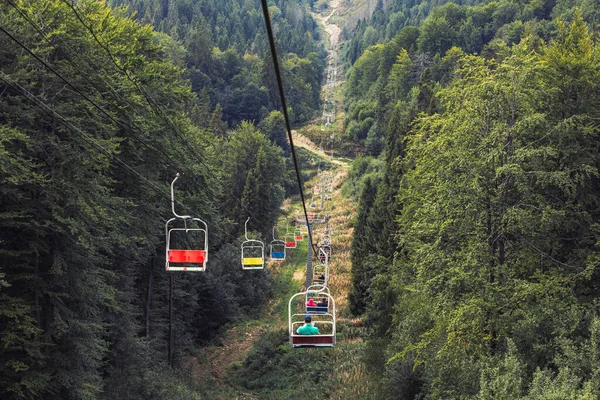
88, 138
160, 152
149, 99
165, 158
153, 104
265, 9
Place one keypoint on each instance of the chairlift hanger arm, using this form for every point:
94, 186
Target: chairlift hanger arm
173, 200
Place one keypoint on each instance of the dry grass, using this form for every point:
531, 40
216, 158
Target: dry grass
286, 206
299, 275
355, 11
212, 361
342, 211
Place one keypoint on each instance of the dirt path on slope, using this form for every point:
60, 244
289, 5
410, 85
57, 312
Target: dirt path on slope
210, 363
333, 30
302, 141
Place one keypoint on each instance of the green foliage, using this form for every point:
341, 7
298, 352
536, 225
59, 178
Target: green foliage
274, 128
225, 51
273, 369
363, 168
83, 292
488, 288
389, 53
254, 178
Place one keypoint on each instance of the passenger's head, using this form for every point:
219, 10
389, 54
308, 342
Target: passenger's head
307, 319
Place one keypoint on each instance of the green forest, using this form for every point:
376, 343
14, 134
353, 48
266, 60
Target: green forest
459, 186
475, 252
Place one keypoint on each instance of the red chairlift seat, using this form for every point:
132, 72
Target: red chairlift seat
187, 256
312, 340
185, 259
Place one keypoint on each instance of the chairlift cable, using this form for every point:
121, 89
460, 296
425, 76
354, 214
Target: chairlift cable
66, 45
127, 74
151, 102
265, 9
86, 97
89, 139
165, 158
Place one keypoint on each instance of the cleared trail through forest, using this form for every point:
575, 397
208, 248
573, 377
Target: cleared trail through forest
211, 363
302, 141
347, 377
333, 30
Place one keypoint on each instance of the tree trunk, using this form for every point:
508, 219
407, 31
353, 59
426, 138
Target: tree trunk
170, 355
149, 296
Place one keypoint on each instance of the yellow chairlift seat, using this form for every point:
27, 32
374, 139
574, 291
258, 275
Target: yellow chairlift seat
252, 261
252, 252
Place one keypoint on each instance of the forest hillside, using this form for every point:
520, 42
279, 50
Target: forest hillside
475, 253
449, 151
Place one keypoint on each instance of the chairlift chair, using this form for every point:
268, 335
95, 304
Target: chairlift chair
324, 321
298, 235
327, 249
194, 257
277, 248
290, 241
324, 253
318, 293
320, 274
253, 251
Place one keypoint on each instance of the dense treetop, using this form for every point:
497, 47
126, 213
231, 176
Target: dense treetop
88, 145
224, 47
475, 254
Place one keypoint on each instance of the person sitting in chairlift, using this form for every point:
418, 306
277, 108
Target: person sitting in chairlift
307, 328
322, 303
311, 303
322, 277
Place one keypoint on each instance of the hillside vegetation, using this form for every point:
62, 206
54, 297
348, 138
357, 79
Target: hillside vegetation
462, 143
475, 253
96, 119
